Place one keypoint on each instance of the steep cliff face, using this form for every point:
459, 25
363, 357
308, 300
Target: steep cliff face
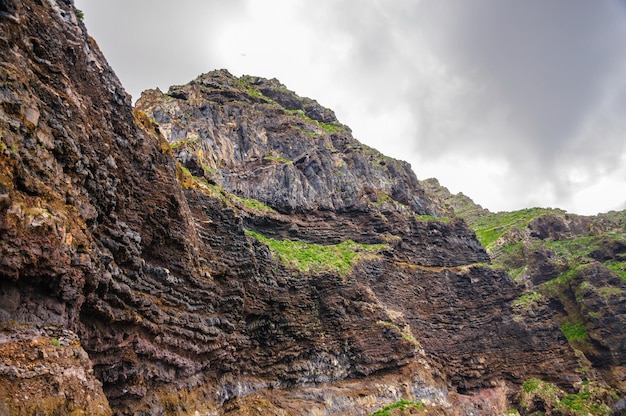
573, 264
278, 265
430, 274
86, 196
259, 140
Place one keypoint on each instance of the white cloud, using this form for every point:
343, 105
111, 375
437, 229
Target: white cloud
513, 103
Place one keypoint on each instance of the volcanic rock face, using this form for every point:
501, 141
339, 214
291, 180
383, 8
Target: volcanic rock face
572, 264
184, 282
259, 140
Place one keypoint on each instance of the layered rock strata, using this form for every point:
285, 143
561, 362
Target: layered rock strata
163, 269
572, 264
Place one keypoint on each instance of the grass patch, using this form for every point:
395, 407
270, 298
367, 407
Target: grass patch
254, 93
541, 395
276, 159
251, 90
184, 142
527, 301
299, 113
312, 258
252, 203
184, 176
382, 198
555, 287
536, 391
400, 405
490, 228
575, 249
516, 273
431, 218
331, 128
617, 267
575, 331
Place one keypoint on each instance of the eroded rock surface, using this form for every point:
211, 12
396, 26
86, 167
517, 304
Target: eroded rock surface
572, 264
155, 266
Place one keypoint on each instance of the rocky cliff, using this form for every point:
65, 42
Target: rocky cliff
573, 264
229, 248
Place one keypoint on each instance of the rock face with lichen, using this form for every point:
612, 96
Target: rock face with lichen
229, 248
572, 264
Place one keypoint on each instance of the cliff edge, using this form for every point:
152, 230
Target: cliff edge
228, 248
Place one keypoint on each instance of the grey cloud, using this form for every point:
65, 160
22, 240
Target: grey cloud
539, 85
160, 42
547, 60
533, 76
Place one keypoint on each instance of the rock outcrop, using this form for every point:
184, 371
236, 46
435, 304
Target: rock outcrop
572, 264
229, 248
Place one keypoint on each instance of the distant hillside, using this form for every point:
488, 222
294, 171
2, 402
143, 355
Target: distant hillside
575, 265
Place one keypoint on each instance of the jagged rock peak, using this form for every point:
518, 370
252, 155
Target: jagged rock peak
460, 204
272, 89
260, 140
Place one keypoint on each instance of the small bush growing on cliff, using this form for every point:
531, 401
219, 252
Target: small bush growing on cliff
539, 395
574, 331
528, 301
400, 405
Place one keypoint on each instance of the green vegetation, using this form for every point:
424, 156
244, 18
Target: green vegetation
252, 203
576, 249
572, 248
244, 82
330, 128
299, 113
546, 396
55, 342
184, 142
618, 267
528, 301
80, 14
254, 93
535, 391
314, 258
277, 159
190, 181
185, 170
517, 272
553, 288
432, 218
489, 228
400, 405
574, 331
382, 198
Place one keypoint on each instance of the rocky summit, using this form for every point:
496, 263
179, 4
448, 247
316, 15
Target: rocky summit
228, 248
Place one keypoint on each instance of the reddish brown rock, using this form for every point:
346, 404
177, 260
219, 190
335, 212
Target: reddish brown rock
178, 308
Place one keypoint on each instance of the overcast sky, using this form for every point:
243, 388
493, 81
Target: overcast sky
514, 103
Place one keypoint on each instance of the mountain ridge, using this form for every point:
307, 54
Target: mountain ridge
228, 247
